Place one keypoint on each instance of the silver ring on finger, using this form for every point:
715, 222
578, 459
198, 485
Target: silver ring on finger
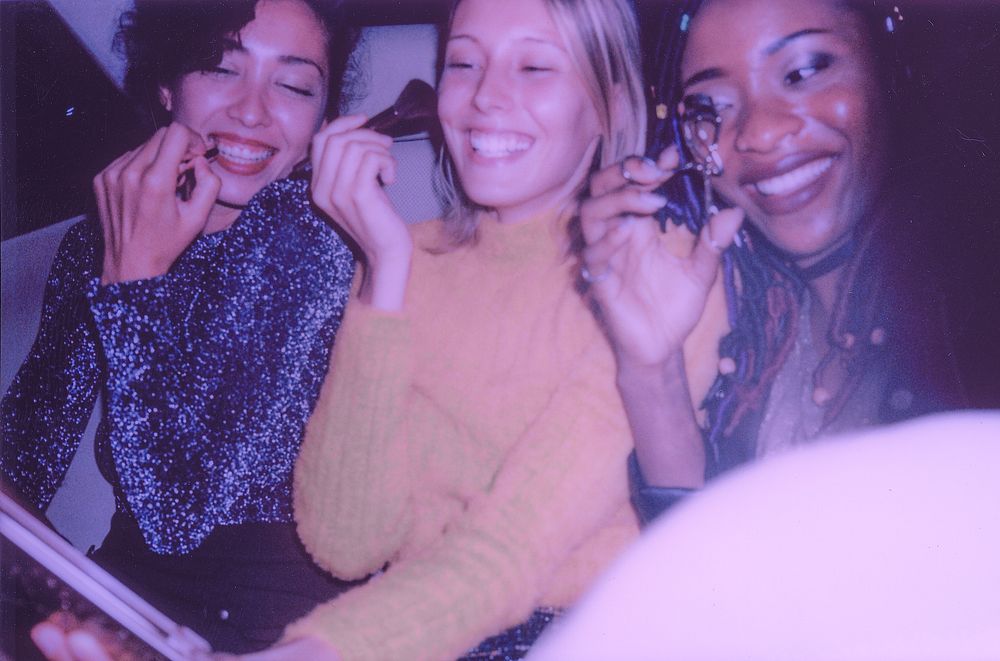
593, 278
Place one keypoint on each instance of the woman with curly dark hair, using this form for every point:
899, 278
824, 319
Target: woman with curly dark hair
791, 111
202, 302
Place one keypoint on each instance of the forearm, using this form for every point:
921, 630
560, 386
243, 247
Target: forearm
668, 441
46, 409
351, 477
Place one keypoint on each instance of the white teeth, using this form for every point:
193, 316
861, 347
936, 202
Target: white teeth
498, 145
796, 179
235, 152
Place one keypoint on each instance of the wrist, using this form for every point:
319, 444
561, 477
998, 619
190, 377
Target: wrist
666, 376
386, 278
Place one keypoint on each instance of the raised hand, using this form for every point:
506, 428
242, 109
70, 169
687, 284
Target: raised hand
146, 224
651, 287
350, 165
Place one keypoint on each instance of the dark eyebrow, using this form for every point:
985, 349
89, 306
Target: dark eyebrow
231, 45
295, 59
784, 41
715, 72
705, 74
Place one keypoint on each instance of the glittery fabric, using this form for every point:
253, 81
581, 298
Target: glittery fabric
516, 642
211, 371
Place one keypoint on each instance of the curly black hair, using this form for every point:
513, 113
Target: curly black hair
163, 41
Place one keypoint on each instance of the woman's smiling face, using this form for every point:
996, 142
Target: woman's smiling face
516, 114
262, 104
800, 138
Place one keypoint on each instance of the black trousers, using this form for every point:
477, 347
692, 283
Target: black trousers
237, 590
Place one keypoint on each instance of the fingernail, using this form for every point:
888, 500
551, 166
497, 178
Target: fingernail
654, 200
651, 166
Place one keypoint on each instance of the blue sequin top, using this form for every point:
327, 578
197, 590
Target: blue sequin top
210, 371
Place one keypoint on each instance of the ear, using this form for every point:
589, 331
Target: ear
166, 98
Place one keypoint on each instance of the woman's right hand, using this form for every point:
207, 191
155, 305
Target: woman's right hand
651, 287
146, 225
350, 166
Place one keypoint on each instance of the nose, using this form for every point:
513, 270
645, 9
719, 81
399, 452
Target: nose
493, 90
764, 124
250, 106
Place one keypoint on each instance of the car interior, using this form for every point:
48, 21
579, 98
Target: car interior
65, 104
387, 58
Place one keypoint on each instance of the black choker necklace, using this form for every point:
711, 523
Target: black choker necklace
230, 205
838, 257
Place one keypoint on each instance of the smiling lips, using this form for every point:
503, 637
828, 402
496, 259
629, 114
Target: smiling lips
498, 144
791, 181
242, 156
793, 189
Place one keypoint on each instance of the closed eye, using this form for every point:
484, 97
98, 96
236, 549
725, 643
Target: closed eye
301, 91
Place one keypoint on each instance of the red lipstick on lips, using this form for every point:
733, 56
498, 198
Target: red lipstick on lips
242, 156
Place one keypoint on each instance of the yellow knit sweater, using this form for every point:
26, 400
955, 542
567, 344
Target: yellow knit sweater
476, 444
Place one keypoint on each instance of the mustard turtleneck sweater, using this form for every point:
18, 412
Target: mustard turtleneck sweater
475, 443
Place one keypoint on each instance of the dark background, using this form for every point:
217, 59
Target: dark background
62, 121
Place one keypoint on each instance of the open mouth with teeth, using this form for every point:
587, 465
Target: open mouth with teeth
795, 180
498, 144
241, 155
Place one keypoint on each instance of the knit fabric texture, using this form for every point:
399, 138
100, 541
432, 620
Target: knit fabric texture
476, 444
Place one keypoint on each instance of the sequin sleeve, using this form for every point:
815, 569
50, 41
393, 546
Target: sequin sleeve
49, 402
214, 367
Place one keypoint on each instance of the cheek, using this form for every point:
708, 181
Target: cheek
299, 123
194, 100
452, 102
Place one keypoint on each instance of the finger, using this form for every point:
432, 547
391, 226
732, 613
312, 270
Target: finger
51, 641
383, 163
362, 188
715, 237
597, 256
179, 144
130, 186
327, 181
344, 123
353, 177
86, 646
205, 193
669, 159
628, 201
635, 170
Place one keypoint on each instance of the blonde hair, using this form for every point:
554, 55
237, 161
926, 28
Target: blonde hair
603, 40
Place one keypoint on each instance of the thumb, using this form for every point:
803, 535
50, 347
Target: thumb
206, 190
716, 236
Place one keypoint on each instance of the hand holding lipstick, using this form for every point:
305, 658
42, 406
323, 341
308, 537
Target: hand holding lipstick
153, 202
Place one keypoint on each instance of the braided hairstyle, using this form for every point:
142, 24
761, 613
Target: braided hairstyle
765, 289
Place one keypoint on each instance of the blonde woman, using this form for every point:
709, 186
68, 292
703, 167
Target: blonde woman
469, 439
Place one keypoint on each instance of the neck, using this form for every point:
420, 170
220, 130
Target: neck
824, 291
221, 217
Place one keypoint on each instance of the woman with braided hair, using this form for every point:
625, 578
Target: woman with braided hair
787, 108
